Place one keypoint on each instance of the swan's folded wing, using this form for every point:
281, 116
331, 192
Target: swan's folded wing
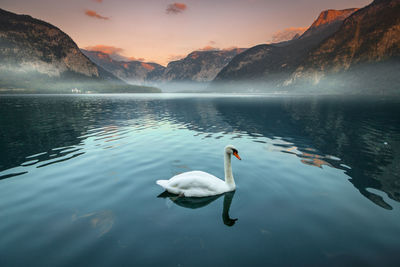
196, 183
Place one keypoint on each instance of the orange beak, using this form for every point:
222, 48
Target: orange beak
236, 155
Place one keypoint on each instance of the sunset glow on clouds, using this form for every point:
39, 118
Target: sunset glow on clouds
208, 48
175, 8
106, 49
135, 59
94, 14
113, 52
165, 30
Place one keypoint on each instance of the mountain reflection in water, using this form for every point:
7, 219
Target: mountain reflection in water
359, 136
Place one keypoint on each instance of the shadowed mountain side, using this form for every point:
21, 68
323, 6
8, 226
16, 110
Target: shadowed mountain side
368, 40
372, 34
342, 52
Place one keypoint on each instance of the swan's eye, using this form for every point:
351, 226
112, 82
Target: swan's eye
235, 151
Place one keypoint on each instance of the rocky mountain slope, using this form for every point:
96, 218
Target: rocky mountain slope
130, 71
199, 66
274, 62
367, 46
35, 55
346, 51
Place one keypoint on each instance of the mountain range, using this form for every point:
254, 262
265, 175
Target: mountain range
198, 66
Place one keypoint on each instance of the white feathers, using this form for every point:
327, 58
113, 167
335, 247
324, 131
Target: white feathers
201, 184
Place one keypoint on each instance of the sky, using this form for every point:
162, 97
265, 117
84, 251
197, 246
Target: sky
161, 30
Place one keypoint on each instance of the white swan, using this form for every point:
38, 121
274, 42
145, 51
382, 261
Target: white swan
202, 184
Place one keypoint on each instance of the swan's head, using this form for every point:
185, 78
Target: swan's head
230, 149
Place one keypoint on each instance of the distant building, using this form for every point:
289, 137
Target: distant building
76, 91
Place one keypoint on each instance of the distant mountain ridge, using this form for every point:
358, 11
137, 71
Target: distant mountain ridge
131, 71
35, 55
200, 66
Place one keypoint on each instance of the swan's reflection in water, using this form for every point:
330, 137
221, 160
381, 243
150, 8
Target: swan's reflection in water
199, 202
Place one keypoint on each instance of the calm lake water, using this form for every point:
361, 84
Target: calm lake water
318, 184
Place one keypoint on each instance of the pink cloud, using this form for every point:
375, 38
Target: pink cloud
175, 8
94, 14
113, 52
106, 49
208, 48
287, 34
135, 59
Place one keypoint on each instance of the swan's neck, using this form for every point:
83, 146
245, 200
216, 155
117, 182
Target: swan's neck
228, 171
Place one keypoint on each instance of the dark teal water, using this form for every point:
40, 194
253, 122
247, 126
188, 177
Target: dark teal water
318, 184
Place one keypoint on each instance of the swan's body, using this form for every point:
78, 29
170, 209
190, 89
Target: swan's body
202, 184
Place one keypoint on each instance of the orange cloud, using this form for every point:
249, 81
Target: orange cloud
208, 48
135, 59
94, 14
106, 49
287, 34
113, 52
175, 8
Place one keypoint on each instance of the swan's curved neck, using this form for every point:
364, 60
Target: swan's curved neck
228, 171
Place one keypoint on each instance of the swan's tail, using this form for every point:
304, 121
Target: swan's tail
162, 183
